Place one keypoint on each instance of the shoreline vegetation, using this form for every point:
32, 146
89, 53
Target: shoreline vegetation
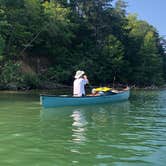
43, 43
55, 87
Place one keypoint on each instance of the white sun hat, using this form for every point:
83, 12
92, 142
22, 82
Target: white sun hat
78, 74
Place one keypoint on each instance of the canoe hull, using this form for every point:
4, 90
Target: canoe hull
60, 101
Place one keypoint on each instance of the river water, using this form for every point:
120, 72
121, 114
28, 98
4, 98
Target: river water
129, 133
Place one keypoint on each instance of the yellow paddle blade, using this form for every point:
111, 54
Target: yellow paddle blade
104, 89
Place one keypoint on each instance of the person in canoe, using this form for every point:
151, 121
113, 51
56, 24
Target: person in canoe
79, 83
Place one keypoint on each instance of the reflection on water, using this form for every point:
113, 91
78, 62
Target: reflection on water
124, 133
79, 126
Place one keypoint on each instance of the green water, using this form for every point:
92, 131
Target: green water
130, 133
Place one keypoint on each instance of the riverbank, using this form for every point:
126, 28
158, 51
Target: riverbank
152, 87
49, 86
42, 86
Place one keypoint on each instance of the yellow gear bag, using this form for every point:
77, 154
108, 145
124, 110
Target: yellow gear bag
103, 89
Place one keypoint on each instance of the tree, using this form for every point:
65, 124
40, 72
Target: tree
151, 63
2, 45
112, 60
143, 53
20, 24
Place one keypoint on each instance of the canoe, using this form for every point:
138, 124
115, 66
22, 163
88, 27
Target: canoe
64, 100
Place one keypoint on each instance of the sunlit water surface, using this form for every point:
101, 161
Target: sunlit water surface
129, 133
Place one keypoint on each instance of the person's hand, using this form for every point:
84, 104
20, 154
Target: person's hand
85, 77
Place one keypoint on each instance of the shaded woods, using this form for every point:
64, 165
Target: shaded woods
43, 43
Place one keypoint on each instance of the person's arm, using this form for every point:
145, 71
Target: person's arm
86, 79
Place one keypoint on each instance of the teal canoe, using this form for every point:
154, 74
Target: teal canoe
63, 100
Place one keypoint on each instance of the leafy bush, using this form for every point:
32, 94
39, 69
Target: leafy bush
2, 45
11, 72
57, 75
12, 75
30, 80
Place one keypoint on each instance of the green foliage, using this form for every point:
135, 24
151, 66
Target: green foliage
30, 80
91, 35
12, 75
151, 63
112, 58
17, 25
56, 75
11, 72
2, 46
143, 55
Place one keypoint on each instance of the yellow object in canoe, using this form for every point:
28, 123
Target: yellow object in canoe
103, 89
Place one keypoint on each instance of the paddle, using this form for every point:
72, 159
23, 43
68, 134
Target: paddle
113, 83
